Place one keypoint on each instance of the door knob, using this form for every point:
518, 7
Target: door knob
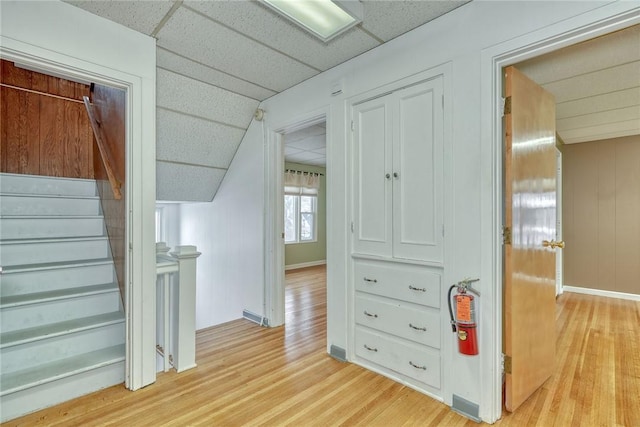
553, 244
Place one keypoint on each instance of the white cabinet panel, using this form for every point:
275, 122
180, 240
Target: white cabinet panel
372, 164
417, 184
398, 174
421, 325
413, 360
412, 283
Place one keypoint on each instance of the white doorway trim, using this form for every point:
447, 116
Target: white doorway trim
606, 19
274, 209
38, 34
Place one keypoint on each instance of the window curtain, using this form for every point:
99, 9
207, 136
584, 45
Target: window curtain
301, 183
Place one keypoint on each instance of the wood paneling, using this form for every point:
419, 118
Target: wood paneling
601, 200
248, 375
43, 135
109, 106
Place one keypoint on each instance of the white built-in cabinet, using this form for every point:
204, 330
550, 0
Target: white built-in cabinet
398, 234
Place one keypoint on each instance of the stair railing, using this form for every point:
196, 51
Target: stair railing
176, 307
116, 184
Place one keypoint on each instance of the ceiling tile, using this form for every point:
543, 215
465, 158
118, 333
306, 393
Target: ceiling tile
188, 139
319, 129
608, 80
607, 51
263, 24
171, 61
604, 102
207, 42
291, 150
176, 92
389, 19
310, 143
142, 16
600, 118
303, 156
175, 182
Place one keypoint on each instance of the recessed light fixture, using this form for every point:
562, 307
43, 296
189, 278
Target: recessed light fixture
324, 19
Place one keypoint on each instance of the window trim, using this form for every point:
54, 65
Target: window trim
298, 240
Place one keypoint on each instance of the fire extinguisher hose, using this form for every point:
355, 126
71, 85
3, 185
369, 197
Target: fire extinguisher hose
453, 320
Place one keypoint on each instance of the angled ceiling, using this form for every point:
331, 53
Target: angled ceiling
217, 59
596, 85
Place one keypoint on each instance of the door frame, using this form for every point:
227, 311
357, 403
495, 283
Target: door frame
493, 60
274, 292
38, 52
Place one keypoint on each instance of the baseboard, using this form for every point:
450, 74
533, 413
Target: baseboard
305, 264
601, 293
260, 320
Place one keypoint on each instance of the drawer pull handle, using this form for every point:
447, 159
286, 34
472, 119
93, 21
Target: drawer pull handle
413, 288
417, 328
366, 313
366, 279
371, 348
424, 368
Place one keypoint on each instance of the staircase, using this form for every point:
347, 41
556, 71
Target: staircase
62, 330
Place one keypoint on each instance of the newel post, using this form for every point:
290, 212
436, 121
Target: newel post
186, 339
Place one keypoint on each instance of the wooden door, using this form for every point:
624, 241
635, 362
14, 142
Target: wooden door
530, 214
418, 133
372, 173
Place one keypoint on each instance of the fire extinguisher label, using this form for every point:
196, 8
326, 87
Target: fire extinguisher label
463, 308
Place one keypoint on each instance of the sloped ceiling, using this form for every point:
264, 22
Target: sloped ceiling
596, 85
218, 59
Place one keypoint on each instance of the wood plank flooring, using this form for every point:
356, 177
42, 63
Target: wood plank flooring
248, 375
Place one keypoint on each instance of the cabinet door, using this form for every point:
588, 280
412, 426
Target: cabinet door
372, 177
418, 172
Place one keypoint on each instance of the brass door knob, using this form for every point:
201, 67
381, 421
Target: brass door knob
553, 244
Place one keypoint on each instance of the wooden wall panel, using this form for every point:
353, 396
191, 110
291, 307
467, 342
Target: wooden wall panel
44, 135
601, 218
109, 104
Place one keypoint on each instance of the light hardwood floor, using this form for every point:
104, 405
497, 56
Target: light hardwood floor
248, 375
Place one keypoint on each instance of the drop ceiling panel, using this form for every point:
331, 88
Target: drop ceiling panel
608, 80
600, 118
264, 25
319, 129
605, 102
142, 16
603, 52
190, 96
181, 65
186, 183
596, 133
188, 139
212, 44
389, 19
304, 157
310, 143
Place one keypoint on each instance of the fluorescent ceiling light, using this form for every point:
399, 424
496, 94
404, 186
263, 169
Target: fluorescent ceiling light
323, 18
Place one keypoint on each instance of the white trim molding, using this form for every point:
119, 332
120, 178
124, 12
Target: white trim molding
305, 264
602, 293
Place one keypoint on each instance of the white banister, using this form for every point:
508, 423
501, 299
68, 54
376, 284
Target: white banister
175, 306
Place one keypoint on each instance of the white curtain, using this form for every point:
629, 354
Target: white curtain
296, 183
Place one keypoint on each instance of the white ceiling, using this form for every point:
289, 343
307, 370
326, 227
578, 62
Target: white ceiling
596, 85
307, 146
216, 61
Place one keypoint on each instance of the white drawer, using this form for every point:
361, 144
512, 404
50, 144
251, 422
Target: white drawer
407, 282
396, 318
413, 360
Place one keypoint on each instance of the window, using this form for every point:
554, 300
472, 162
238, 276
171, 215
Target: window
159, 225
300, 206
300, 218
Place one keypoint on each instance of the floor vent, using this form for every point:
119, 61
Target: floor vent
466, 408
262, 321
338, 353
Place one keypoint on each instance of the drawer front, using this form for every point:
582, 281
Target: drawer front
393, 317
400, 281
415, 361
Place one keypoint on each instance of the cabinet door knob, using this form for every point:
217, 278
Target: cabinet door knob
396, 175
388, 176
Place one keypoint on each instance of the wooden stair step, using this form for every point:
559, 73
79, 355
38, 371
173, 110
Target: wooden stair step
21, 380
58, 294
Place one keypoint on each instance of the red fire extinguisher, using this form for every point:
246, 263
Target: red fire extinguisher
464, 321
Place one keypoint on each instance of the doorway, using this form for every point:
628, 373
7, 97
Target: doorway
580, 77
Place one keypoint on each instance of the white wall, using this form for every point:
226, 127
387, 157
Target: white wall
59, 38
467, 40
229, 234
171, 224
